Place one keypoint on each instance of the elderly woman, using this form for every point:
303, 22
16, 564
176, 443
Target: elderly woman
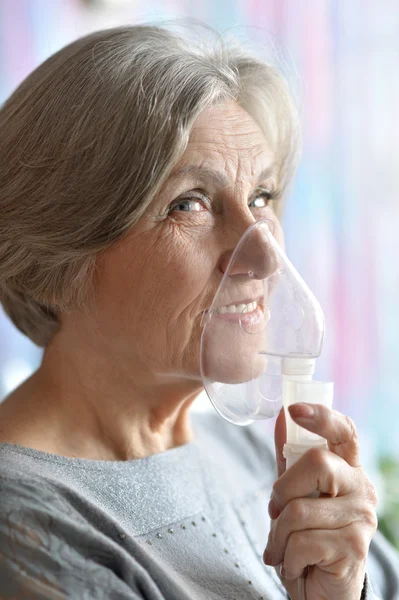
131, 163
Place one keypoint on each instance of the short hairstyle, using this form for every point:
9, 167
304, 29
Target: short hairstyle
90, 136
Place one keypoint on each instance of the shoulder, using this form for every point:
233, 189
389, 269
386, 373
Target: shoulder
32, 501
48, 548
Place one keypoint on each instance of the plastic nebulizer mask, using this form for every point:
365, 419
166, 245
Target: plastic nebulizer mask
261, 336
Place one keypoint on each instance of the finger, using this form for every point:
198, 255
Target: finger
280, 437
338, 429
336, 552
314, 513
317, 469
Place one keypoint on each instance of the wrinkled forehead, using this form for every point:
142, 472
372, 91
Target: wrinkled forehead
226, 139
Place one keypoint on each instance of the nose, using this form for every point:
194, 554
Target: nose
253, 255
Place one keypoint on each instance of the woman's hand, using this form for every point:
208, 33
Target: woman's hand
330, 534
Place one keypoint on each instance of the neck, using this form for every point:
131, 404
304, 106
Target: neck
92, 407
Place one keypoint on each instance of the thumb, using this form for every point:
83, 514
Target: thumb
280, 436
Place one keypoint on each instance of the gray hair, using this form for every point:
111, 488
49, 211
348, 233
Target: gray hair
89, 138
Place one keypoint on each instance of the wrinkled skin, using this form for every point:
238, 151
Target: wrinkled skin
331, 533
123, 376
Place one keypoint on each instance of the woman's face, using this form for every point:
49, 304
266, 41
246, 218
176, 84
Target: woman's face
155, 284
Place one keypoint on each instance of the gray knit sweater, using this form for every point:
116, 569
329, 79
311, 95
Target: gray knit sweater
187, 524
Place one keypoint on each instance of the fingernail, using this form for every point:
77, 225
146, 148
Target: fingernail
302, 411
267, 559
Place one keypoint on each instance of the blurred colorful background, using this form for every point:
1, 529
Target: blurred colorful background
342, 219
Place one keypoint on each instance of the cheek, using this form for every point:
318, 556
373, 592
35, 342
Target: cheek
182, 277
168, 278
184, 273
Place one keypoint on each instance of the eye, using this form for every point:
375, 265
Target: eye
188, 205
263, 198
193, 202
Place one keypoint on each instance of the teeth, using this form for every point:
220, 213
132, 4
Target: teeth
251, 307
238, 308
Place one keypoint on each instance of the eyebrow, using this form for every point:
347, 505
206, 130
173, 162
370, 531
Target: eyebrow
216, 176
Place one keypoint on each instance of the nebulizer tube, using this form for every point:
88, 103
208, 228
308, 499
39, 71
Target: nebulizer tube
298, 386
261, 337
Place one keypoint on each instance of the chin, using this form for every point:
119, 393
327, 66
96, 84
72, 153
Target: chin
238, 362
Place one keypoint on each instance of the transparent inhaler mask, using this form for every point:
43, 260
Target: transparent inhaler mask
262, 316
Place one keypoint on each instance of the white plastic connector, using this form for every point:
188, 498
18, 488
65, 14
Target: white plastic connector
299, 440
302, 367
